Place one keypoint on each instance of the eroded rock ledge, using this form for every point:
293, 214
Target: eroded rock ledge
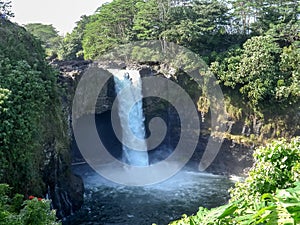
232, 159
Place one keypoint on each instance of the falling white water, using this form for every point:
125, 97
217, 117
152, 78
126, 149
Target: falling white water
135, 117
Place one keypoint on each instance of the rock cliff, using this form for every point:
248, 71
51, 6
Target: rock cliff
233, 158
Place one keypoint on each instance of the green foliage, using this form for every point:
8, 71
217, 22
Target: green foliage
111, 25
272, 12
28, 49
285, 33
209, 22
275, 167
28, 102
71, 47
37, 212
200, 27
241, 16
5, 9
16, 211
207, 27
259, 16
270, 195
282, 207
47, 34
252, 70
288, 86
148, 22
20, 116
262, 71
258, 68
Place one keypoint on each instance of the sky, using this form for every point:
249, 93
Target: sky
62, 14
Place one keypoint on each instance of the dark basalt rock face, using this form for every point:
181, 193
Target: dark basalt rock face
64, 188
70, 73
232, 159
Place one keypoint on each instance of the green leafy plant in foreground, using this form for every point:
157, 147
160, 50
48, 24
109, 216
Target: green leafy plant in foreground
269, 195
277, 166
280, 208
15, 211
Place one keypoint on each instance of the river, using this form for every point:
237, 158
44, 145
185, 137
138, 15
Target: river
107, 203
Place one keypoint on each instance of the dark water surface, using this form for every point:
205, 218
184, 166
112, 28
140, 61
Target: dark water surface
109, 203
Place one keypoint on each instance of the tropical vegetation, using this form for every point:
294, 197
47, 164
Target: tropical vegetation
17, 211
252, 47
30, 116
48, 35
269, 195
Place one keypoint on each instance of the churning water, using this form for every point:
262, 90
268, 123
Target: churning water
108, 203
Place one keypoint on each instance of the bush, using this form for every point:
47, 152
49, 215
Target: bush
283, 207
270, 195
15, 211
276, 166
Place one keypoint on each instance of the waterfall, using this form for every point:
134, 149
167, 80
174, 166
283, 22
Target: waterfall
135, 116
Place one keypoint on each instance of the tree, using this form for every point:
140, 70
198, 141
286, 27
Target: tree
29, 107
257, 16
71, 47
263, 71
147, 23
288, 86
272, 12
111, 25
253, 70
180, 27
243, 15
47, 34
24, 96
200, 26
285, 33
5, 9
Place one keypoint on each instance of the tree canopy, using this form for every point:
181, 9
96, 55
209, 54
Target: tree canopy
71, 47
207, 27
5, 9
251, 46
111, 25
47, 34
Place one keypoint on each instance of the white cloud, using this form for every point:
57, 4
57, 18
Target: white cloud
61, 13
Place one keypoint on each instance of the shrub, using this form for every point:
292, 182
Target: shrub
270, 195
276, 166
283, 207
15, 211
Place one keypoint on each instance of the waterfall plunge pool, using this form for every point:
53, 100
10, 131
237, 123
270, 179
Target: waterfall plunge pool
107, 203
